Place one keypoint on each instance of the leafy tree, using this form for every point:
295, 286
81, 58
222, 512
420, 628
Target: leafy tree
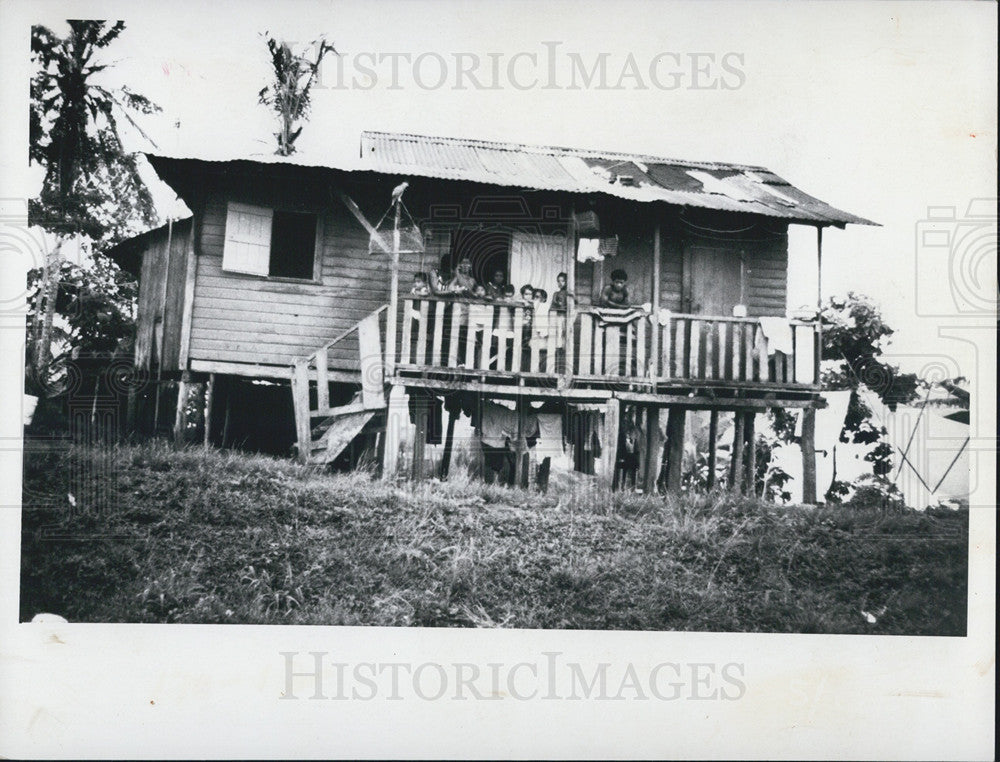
91, 185
854, 339
289, 95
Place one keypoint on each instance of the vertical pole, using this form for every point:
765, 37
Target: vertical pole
300, 405
449, 439
571, 298
751, 450
394, 412
735, 465
819, 303
609, 455
419, 442
391, 316
675, 447
228, 387
520, 446
808, 445
180, 414
209, 393
713, 432
652, 449
654, 333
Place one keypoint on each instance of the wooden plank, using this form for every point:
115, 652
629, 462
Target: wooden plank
507, 391
653, 446
585, 365
470, 338
515, 364
422, 328
438, 340
504, 322
484, 361
695, 346
668, 347
371, 363
300, 403
180, 410
640, 348
551, 344
736, 454
762, 358
751, 453
609, 455
612, 350
209, 394
711, 403
600, 339
748, 337
190, 278
713, 436
322, 380
807, 444
629, 341
675, 448
456, 325
340, 434
656, 302
737, 351
405, 349
721, 351
419, 443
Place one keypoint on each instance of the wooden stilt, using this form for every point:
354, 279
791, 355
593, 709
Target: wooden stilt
609, 455
520, 446
675, 447
300, 404
209, 394
736, 464
419, 443
808, 445
228, 386
393, 429
180, 413
713, 434
653, 445
751, 453
449, 439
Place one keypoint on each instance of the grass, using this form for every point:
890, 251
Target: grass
206, 537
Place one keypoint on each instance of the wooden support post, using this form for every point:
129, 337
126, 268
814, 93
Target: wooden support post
419, 442
209, 394
520, 446
393, 314
180, 414
808, 445
713, 434
449, 439
395, 415
675, 447
653, 445
570, 300
300, 404
654, 334
751, 453
609, 455
736, 464
228, 386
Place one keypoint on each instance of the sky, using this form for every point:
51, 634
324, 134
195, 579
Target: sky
886, 110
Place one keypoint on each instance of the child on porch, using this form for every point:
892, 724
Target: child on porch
616, 293
420, 285
561, 297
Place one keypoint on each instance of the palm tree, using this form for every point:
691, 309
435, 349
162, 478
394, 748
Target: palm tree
91, 184
289, 94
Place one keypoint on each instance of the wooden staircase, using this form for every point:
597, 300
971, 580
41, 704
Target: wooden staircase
324, 431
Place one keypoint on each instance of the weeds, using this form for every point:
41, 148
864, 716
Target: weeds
208, 536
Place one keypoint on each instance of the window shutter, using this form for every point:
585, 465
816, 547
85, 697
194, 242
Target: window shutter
248, 239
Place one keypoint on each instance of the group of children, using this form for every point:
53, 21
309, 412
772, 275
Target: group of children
496, 290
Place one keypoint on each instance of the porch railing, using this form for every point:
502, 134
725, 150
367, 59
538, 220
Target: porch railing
512, 340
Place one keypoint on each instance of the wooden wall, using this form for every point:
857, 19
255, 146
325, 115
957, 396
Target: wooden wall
161, 296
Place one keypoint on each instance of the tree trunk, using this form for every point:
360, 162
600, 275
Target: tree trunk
45, 311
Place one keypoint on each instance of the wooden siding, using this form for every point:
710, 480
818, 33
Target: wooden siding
161, 297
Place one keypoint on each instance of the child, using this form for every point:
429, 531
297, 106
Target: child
561, 296
616, 294
420, 286
527, 293
509, 293
479, 292
494, 289
436, 283
463, 283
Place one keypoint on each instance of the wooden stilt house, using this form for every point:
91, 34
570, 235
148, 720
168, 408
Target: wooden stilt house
284, 273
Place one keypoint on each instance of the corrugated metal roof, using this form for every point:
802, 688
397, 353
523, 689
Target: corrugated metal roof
634, 177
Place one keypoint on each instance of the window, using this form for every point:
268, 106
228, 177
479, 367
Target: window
268, 242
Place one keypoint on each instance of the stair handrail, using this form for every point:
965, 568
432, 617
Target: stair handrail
340, 337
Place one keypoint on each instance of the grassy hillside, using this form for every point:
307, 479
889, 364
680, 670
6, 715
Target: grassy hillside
194, 536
